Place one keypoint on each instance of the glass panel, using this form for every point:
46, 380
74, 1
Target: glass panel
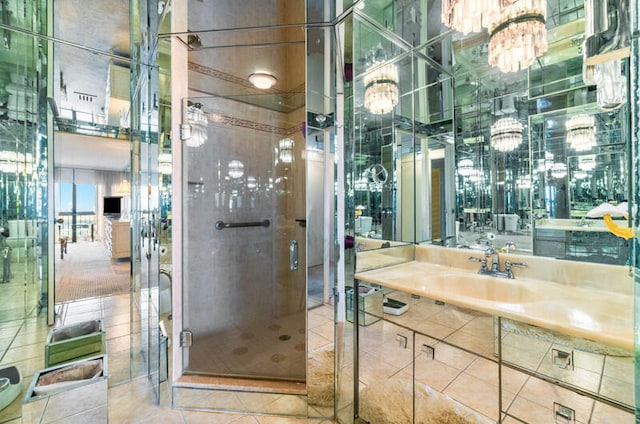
244, 219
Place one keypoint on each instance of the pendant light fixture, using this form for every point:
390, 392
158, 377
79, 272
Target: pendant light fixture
381, 92
506, 134
468, 16
518, 36
581, 132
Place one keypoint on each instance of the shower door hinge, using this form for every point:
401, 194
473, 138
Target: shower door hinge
186, 338
336, 295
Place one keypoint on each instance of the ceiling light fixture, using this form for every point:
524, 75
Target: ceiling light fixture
262, 80
518, 36
581, 132
381, 92
558, 170
506, 134
469, 15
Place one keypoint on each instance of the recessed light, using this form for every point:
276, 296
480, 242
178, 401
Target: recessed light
262, 80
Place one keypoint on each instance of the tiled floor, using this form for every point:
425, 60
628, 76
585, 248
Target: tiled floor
131, 399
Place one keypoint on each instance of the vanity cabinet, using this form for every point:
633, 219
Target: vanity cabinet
576, 375
486, 367
117, 238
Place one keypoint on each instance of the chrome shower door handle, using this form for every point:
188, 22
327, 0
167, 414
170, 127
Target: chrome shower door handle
293, 255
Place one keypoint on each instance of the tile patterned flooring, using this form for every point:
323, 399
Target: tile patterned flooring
22, 345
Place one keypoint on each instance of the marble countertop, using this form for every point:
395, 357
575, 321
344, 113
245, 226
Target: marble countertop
592, 225
595, 314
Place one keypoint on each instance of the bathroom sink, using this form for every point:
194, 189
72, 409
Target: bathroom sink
481, 287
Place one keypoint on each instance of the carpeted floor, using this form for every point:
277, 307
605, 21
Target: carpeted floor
88, 271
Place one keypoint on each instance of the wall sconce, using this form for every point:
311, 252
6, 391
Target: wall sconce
164, 163
198, 123
262, 80
285, 150
236, 169
465, 167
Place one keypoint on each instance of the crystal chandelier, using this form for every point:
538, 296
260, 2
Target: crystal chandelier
198, 122
381, 88
581, 132
518, 36
506, 134
469, 15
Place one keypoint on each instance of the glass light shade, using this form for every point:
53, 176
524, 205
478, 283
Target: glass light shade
236, 169
198, 121
381, 92
506, 134
518, 36
611, 84
262, 80
469, 15
164, 163
581, 132
465, 167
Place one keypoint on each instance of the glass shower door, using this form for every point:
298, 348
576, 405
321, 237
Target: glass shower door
244, 288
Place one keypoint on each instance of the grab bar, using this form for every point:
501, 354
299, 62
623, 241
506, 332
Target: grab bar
221, 225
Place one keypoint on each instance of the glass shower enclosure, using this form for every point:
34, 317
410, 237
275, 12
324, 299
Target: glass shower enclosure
244, 293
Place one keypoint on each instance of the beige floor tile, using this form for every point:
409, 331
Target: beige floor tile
622, 391
605, 414
546, 394
203, 417
476, 394
434, 374
619, 368
453, 356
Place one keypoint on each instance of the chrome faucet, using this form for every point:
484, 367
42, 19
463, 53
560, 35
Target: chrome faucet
509, 245
493, 268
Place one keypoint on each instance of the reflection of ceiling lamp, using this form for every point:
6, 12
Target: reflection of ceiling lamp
164, 163
506, 134
236, 169
581, 132
518, 36
251, 182
587, 162
381, 88
558, 170
580, 175
465, 167
611, 84
198, 122
262, 80
285, 150
469, 15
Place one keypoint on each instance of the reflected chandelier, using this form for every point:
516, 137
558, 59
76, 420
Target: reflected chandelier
581, 132
506, 134
381, 88
518, 36
469, 15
